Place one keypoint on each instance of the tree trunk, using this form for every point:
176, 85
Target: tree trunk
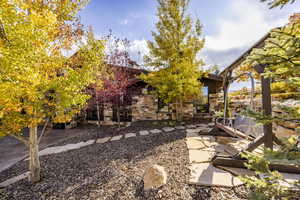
177, 111
181, 110
34, 162
98, 117
118, 116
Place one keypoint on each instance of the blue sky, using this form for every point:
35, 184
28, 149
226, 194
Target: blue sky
229, 26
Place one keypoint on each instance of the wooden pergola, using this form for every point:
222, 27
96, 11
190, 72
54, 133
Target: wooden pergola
268, 138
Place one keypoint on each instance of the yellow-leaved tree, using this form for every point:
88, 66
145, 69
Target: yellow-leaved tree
173, 54
37, 82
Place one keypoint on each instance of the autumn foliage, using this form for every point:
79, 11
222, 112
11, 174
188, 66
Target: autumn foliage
37, 82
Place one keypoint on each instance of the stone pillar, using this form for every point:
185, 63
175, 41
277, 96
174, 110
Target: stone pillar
108, 114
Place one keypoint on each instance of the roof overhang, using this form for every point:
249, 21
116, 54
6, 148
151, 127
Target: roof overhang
240, 59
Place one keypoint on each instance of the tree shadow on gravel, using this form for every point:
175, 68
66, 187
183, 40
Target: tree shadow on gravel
109, 170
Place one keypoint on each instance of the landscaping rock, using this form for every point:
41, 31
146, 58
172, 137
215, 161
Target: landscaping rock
154, 177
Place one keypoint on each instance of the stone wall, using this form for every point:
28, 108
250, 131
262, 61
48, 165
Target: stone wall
287, 128
145, 107
108, 114
240, 103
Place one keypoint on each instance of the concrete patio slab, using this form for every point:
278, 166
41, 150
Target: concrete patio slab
207, 138
208, 175
191, 134
179, 127
117, 137
168, 129
144, 132
200, 156
14, 180
129, 135
155, 131
191, 126
195, 143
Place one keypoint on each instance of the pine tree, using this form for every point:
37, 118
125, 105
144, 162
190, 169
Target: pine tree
173, 54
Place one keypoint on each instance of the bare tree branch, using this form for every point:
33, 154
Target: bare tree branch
44, 129
20, 138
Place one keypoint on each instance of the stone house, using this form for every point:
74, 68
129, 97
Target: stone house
142, 104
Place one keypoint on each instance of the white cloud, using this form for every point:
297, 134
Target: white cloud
124, 22
138, 49
249, 22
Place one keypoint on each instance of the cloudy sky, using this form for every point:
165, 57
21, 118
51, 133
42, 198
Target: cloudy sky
229, 26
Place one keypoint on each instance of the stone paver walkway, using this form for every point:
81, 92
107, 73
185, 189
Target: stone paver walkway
14, 180
208, 175
203, 147
69, 147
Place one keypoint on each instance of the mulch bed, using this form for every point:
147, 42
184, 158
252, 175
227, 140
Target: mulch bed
114, 171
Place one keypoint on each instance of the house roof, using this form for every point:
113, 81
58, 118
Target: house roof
240, 59
214, 77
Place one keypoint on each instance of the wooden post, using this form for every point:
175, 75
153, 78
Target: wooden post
267, 105
267, 108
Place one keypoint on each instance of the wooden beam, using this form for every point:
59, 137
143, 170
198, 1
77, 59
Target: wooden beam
227, 161
253, 145
233, 132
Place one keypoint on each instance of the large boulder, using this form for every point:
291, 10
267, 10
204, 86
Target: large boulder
154, 177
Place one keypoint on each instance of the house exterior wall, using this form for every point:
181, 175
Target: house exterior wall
145, 106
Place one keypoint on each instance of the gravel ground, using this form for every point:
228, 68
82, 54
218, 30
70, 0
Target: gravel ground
114, 171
